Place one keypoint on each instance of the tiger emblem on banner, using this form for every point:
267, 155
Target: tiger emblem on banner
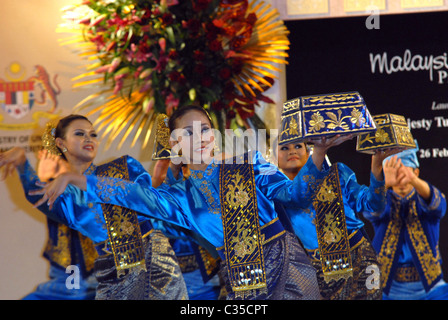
20, 94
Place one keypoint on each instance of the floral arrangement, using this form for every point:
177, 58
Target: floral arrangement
154, 56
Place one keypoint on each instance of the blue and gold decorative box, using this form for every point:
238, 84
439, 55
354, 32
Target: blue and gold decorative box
314, 116
392, 132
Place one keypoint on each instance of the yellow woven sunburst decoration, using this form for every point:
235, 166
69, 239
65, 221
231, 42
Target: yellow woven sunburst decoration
150, 57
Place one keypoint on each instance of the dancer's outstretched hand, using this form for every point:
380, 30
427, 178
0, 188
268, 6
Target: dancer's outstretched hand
11, 159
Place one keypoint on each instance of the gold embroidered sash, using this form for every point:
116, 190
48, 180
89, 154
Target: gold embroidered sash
58, 250
125, 238
425, 260
331, 229
387, 255
242, 241
63, 248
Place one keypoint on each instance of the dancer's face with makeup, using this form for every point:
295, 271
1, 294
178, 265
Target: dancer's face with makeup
195, 137
293, 156
80, 140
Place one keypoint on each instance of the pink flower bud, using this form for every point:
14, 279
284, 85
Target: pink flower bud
98, 20
148, 104
84, 21
145, 73
146, 86
103, 69
115, 63
162, 44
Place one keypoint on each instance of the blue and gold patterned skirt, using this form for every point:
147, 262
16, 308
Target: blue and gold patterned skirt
289, 273
163, 279
356, 287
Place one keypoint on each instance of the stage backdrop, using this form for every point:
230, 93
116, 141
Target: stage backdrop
400, 67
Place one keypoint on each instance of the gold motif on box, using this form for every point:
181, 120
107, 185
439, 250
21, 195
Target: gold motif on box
317, 122
331, 227
324, 115
291, 122
293, 127
392, 132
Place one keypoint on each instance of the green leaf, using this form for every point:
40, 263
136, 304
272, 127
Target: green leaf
233, 124
192, 94
170, 34
122, 71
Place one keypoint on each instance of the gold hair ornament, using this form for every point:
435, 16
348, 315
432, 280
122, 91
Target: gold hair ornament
49, 140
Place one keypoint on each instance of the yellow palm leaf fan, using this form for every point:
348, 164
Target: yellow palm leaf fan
128, 118
121, 115
263, 51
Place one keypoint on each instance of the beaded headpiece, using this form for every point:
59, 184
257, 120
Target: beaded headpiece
49, 139
162, 139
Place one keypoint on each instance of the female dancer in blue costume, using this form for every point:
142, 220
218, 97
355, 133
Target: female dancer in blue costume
65, 247
407, 233
135, 261
230, 205
199, 261
356, 198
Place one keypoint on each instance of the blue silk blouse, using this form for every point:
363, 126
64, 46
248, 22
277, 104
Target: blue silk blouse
72, 209
195, 203
357, 199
